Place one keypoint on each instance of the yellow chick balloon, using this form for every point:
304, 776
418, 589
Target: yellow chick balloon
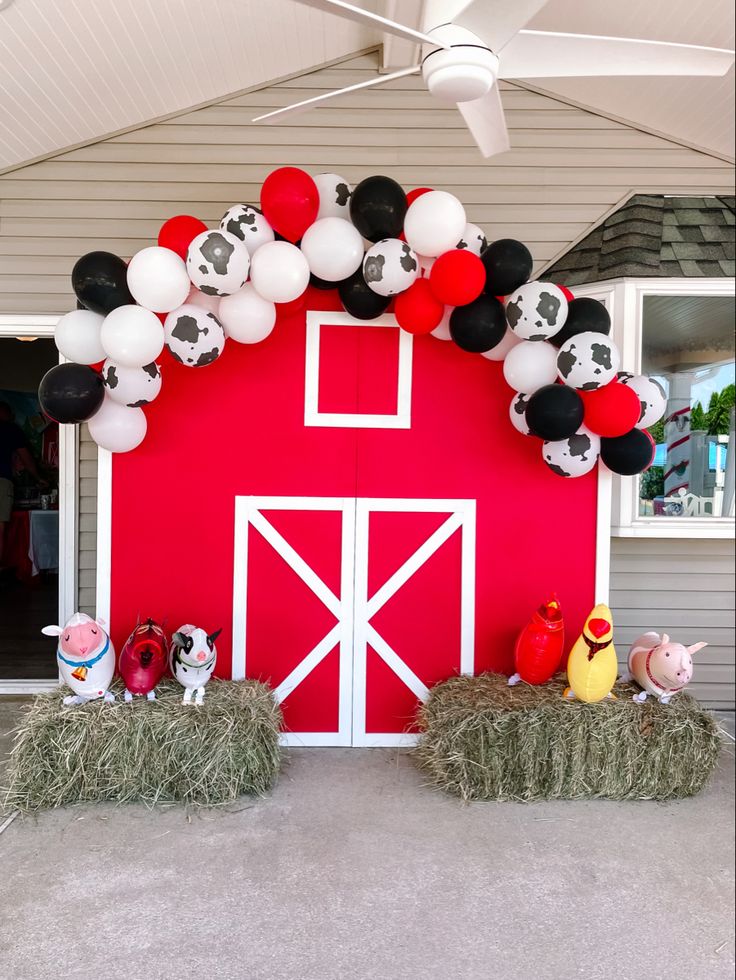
592, 666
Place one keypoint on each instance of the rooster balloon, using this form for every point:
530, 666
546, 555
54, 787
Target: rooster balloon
540, 645
144, 660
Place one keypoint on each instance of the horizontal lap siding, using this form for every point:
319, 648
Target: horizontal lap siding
684, 588
567, 168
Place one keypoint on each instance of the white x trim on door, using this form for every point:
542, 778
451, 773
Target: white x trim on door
354, 609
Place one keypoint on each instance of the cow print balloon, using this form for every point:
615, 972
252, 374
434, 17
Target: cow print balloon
390, 267
334, 196
473, 239
194, 336
218, 263
131, 386
588, 361
651, 396
248, 224
536, 311
575, 456
517, 413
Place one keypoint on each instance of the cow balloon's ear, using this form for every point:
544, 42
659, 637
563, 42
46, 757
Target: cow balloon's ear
213, 636
179, 640
52, 630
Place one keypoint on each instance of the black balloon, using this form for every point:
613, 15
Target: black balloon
71, 393
378, 208
321, 283
583, 315
478, 326
508, 265
629, 454
554, 412
359, 299
100, 281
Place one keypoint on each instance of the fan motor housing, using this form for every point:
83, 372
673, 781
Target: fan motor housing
462, 73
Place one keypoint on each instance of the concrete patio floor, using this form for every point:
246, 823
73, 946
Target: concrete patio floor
354, 868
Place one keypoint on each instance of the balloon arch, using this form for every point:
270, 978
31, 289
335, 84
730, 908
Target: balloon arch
377, 245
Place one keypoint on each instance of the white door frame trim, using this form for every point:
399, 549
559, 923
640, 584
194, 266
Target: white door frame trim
12, 325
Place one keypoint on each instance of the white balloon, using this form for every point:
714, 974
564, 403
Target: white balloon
334, 196
132, 336
194, 336
390, 267
333, 248
197, 298
117, 428
434, 223
651, 395
131, 386
77, 337
530, 365
248, 224
157, 279
517, 413
575, 456
246, 316
588, 361
536, 310
442, 330
279, 272
473, 239
218, 262
499, 352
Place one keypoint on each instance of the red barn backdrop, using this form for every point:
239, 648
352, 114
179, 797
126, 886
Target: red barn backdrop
355, 510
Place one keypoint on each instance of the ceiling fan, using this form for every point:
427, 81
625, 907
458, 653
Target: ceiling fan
467, 45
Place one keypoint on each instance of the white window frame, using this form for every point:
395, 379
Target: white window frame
43, 326
625, 301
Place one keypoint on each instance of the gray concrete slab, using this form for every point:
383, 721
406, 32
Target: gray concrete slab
354, 868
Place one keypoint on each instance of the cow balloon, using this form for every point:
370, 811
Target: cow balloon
659, 666
192, 657
540, 645
143, 660
86, 658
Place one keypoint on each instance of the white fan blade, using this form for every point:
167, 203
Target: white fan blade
486, 122
547, 54
438, 12
361, 16
308, 103
497, 21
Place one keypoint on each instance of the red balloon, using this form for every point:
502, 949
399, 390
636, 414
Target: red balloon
178, 232
611, 411
457, 277
411, 196
417, 309
289, 201
566, 292
541, 644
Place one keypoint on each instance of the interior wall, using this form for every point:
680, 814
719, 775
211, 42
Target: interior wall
24, 363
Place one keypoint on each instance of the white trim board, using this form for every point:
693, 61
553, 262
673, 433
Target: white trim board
42, 326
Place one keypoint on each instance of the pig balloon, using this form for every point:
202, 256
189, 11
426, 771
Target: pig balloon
193, 656
659, 666
86, 658
143, 660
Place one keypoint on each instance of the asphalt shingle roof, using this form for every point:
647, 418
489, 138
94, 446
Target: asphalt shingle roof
654, 236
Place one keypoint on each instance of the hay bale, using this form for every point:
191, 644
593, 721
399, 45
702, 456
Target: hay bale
484, 740
149, 752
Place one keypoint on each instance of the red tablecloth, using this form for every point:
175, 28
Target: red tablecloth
18, 545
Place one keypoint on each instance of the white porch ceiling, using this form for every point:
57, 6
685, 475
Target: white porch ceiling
76, 71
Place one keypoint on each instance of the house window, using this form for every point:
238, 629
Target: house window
687, 345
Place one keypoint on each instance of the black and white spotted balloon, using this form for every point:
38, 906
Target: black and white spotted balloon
588, 361
536, 310
390, 267
574, 456
517, 413
131, 386
473, 239
651, 397
218, 263
194, 336
248, 224
334, 196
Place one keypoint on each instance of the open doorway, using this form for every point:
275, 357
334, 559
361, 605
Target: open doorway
29, 511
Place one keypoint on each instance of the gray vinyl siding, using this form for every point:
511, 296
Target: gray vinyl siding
567, 170
683, 587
